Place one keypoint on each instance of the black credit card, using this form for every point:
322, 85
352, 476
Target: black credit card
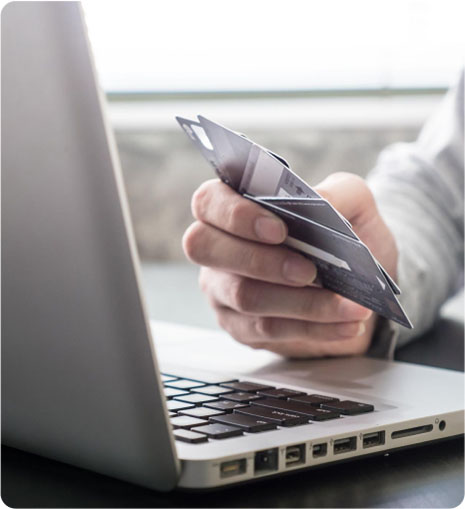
345, 265
316, 229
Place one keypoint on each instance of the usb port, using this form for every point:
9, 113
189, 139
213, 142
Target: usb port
232, 468
295, 455
266, 460
373, 439
319, 450
345, 445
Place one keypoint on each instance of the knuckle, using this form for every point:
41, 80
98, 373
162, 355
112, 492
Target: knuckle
194, 242
364, 193
264, 327
237, 215
242, 295
356, 180
201, 199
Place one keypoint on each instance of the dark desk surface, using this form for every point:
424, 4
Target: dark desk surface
427, 476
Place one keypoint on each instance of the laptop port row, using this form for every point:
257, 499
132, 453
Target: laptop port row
267, 461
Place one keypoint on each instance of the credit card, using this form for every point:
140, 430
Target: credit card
316, 229
389, 279
345, 266
315, 209
197, 135
321, 211
250, 168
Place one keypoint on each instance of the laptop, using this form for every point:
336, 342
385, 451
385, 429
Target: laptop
81, 378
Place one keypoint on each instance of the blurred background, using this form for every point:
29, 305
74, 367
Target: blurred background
326, 84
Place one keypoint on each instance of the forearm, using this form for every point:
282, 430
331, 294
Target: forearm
419, 192
429, 243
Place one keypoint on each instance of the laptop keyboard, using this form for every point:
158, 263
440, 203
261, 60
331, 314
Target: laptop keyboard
220, 407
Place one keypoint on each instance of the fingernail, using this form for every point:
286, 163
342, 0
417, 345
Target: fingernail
270, 229
299, 270
350, 310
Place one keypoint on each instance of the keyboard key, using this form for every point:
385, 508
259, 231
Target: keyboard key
314, 399
348, 407
321, 414
212, 390
191, 437
247, 386
225, 406
312, 413
171, 393
245, 422
196, 399
174, 405
281, 393
219, 431
324, 397
167, 378
279, 417
184, 384
201, 412
186, 422
241, 397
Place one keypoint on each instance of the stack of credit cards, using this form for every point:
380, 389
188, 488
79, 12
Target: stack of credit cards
315, 228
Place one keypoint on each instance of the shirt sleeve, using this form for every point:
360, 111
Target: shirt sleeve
419, 189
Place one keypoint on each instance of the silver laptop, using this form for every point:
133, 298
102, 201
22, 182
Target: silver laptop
81, 382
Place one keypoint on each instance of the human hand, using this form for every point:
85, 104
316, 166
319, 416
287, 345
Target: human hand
261, 290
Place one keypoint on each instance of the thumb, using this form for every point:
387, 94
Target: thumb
349, 194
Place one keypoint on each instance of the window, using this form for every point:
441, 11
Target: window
207, 45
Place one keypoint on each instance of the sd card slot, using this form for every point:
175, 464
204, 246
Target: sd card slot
408, 432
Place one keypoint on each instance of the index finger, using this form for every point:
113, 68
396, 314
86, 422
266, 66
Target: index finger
217, 204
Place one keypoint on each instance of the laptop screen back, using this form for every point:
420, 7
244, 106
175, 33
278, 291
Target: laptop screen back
79, 375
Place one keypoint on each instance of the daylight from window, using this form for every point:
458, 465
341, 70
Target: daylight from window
208, 45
